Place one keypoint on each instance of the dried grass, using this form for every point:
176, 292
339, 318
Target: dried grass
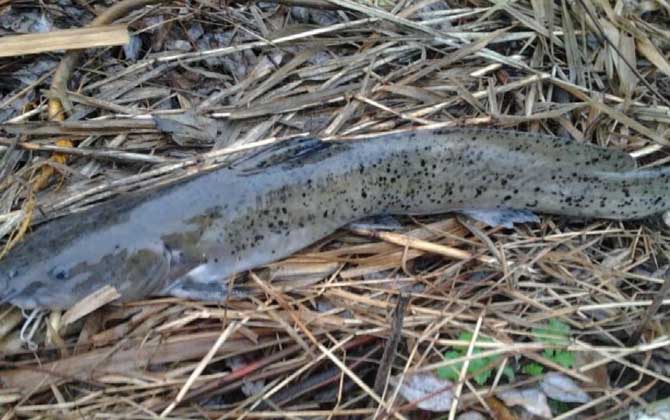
80, 38
311, 339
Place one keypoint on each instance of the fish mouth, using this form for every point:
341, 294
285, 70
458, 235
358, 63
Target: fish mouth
7, 293
11, 291
8, 297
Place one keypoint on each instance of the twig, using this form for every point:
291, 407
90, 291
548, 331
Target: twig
386, 362
659, 297
97, 152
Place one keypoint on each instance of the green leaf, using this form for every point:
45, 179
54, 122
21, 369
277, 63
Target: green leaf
476, 366
559, 327
533, 369
555, 332
465, 336
481, 378
509, 373
450, 372
564, 358
452, 354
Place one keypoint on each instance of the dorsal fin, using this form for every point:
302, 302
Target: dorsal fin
287, 152
552, 150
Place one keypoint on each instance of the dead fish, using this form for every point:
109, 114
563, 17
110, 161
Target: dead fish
187, 239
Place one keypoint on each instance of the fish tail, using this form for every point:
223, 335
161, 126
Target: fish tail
626, 195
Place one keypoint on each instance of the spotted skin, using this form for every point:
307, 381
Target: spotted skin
186, 239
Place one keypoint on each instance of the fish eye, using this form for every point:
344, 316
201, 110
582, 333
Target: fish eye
60, 273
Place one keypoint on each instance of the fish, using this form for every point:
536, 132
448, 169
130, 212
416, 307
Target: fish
188, 238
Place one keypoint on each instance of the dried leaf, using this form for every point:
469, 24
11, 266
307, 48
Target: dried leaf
651, 53
616, 258
471, 415
428, 391
500, 410
559, 387
188, 128
659, 410
533, 400
627, 77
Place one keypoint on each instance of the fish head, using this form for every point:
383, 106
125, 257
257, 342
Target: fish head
66, 260
6, 290
13, 270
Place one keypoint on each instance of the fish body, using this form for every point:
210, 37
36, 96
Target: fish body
186, 239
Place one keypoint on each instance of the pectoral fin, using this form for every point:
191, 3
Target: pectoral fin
505, 218
203, 282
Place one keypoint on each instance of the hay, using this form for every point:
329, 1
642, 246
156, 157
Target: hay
334, 329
